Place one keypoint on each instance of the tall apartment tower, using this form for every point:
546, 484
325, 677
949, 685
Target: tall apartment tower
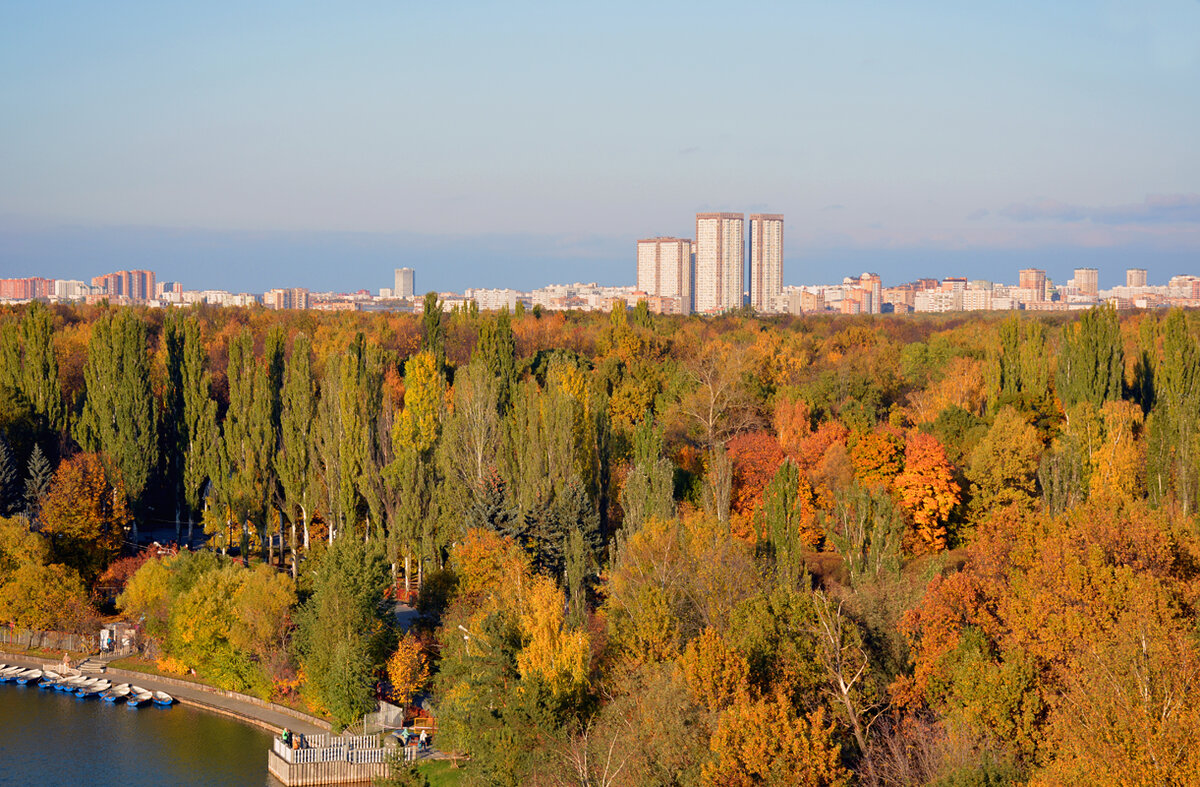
1034, 279
664, 268
404, 283
720, 261
1135, 277
766, 259
1087, 281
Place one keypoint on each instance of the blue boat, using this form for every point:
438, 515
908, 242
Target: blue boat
31, 675
163, 699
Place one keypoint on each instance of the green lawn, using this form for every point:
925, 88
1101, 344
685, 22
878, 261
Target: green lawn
441, 773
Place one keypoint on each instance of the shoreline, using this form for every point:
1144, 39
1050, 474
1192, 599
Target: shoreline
241, 707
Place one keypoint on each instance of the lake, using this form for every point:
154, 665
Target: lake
51, 738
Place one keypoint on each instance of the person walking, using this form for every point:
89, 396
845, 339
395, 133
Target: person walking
423, 742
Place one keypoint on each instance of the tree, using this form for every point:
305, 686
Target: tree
30, 365
147, 597
407, 670
44, 597
37, 482
119, 417
1091, 361
10, 482
433, 340
84, 515
498, 352
764, 742
1017, 372
1175, 419
339, 636
648, 492
201, 450
294, 460
927, 490
1003, 466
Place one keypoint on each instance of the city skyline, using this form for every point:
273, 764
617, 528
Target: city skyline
340, 143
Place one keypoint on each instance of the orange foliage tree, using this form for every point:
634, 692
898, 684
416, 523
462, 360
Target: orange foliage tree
756, 457
407, 670
85, 515
877, 456
927, 491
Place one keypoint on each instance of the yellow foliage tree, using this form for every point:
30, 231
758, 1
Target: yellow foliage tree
927, 491
557, 655
765, 743
716, 674
420, 422
407, 670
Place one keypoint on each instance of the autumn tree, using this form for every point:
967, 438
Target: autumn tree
199, 434
765, 742
85, 515
927, 491
648, 489
294, 461
1003, 467
407, 670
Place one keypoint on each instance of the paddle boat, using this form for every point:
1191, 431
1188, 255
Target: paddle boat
70, 684
32, 675
163, 699
138, 696
116, 693
94, 689
49, 678
10, 673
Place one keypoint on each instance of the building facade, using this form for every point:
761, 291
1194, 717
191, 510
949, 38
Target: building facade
720, 261
26, 289
1034, 280
766, 260
135, 286
1135, 277
1087, 281
404, 283
664, 269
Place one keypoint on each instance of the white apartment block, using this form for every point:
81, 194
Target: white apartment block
938, 301
720, 261
404, 283
495, 299
71, 290
664, 268
766, 260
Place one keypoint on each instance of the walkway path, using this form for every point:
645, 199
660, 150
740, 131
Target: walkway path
199, 696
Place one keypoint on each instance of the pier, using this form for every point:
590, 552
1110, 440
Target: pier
331, 759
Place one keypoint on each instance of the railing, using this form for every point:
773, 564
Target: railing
323, 747
56, 640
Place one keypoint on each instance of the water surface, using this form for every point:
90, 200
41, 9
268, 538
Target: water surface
52, 738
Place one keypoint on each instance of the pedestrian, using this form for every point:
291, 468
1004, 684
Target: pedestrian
286, 737
423, 741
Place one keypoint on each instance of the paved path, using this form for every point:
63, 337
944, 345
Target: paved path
200, 697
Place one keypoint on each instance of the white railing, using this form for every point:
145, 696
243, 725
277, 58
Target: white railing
328, 748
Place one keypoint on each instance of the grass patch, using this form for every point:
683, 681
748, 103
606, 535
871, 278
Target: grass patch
442, 773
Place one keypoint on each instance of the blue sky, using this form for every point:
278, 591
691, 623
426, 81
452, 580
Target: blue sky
489, 144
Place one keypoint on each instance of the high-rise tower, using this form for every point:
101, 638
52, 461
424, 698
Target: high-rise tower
766, 259
720, 261
664, 268
404, 283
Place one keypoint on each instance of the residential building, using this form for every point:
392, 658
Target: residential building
873, 285
135, 286
1033, 280
404, 283
720, 261
1135, 277
290, 298
26, 289
1087, 282
71, 290
766, 260
664, 269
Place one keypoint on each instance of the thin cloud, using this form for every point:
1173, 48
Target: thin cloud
1155, 209
976, 215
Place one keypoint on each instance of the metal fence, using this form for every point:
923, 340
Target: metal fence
54, 640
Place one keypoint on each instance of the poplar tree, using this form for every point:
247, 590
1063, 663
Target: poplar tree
246, 448
1018, 368
200, 433
1176, 415
498, 351
1091, 361
294, 459
433, 339
649, 484
119, 416
173, 434
39, 366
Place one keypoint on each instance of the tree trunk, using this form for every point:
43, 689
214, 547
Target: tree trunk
407, 577
304, 519
293, 550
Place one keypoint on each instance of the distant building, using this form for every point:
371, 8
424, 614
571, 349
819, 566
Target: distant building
26, 289
1033, 280
664, 270
134, 286
71, 290
720, 261
873, 286
495, 299
1087, 281
1135, 277
289, 298
766, 260
404, 283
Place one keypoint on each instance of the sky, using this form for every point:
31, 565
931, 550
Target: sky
248, 146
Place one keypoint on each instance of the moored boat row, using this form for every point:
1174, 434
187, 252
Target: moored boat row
84, 687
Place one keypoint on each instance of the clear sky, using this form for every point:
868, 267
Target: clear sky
254, 145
